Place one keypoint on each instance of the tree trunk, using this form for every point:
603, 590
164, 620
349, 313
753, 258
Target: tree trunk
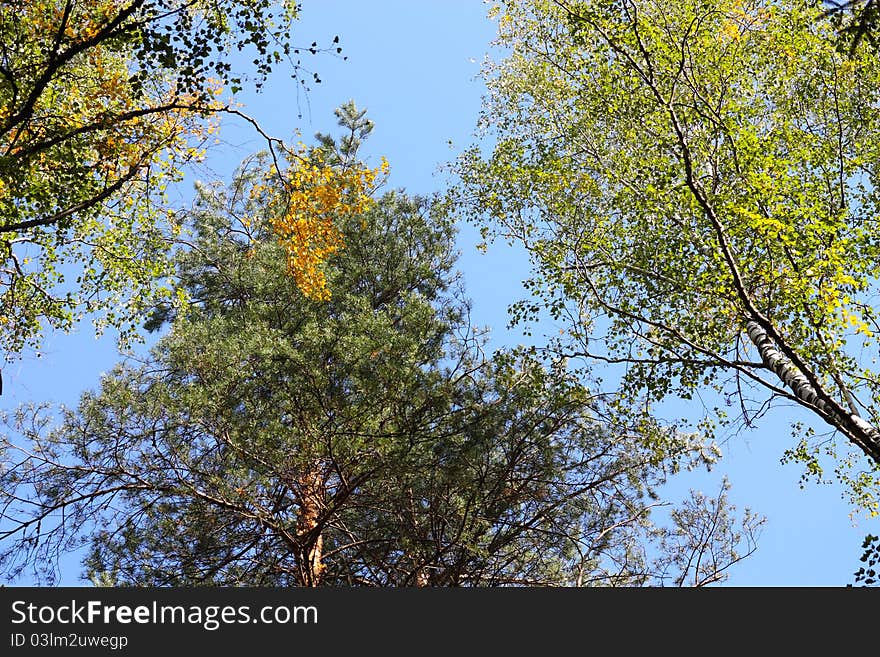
311, 502
421, 578
854, 427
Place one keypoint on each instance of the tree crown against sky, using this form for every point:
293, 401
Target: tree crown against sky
695, 183
365, 438
808, 453
102, 105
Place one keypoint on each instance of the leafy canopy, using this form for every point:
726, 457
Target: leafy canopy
102, 104
696, 185
363, 438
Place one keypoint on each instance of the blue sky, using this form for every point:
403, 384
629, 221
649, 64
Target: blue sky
414, 65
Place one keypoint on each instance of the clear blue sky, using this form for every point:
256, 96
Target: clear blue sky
414, 65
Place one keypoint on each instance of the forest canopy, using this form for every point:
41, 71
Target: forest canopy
693, 184
364, 437
103, 104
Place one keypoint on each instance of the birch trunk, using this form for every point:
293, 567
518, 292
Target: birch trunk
856, 429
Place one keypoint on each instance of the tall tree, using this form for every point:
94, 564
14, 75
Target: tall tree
696, 185
101, 104
360, 438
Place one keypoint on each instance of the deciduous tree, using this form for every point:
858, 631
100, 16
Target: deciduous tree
102, 102
696, 185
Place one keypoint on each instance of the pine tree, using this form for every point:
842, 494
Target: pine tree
272, 438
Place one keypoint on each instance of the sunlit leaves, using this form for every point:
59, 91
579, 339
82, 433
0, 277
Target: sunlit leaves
102, 105
677, 170
85, 155
314, 196
425, 460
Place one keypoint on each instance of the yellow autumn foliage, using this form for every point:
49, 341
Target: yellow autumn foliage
87, 121
304, 214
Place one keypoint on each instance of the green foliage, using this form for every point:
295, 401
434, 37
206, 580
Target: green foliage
867, 575
275, 439
696, 185
856, 21
102, 105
